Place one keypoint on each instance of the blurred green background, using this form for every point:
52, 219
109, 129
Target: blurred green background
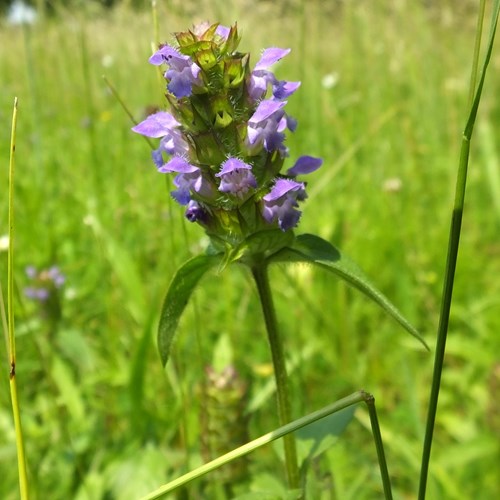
383, 101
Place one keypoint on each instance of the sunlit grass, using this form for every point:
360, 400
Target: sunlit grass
95, 402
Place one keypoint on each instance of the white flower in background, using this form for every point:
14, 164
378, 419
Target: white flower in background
392, 185
21, 13
107, 61
4, 243
330, 80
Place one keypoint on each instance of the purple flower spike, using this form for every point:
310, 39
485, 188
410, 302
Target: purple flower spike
305, 165
182, 72
236, 177
189, 179
280, 204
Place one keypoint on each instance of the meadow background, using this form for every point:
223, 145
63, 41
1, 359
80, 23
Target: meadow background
383, 101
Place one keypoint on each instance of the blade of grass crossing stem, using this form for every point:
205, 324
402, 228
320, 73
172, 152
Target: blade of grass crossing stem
355, 398
453, 243
21, 460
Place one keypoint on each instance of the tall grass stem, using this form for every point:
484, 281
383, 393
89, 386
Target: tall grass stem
21, 460
453, 244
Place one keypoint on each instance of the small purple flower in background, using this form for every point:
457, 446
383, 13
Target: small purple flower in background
182, 74
236, 177
45, 282
280, 204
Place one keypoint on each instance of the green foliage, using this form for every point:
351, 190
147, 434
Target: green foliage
384, 88
309, 248
185, 280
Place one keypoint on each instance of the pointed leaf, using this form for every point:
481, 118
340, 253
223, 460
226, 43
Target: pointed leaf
183, 283
315, 250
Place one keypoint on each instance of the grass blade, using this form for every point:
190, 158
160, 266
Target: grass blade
451, 260
21, 460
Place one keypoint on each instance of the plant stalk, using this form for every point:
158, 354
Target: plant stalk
379, 445
21, 460
261, 277
357, 397
454, 240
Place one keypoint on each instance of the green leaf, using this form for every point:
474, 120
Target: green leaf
313, 249
183, 283
314, 439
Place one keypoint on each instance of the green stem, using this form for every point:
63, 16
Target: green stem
21, 460
260, 275
379, 445
281, 432
453, 244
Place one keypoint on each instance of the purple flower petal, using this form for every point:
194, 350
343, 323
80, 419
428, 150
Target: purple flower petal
281, 202
195, 213
265, 109
166, 54
271, 56
305, 165
178, 164
182, 72
236, 177
223, 31
281, 188
157, 125
284, 89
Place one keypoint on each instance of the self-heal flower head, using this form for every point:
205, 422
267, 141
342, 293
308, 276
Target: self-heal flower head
261, 77
164, 125
236, 177
281, 202
182, 72
224, 138
190, 180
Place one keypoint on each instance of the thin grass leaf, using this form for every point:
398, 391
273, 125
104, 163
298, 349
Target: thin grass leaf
255, 444
183, 283
16, 412
312, 249
453, 245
